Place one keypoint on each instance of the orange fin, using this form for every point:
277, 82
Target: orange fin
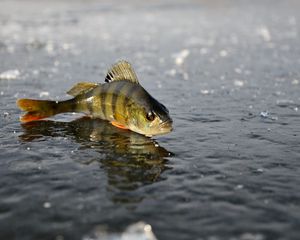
118, 125
36, 109
31, 116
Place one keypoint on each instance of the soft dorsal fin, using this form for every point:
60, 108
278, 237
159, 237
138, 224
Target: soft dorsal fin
122, 70
81, 87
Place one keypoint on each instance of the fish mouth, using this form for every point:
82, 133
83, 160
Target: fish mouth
163, 128
166, 126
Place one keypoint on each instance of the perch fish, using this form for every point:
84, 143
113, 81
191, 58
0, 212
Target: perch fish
121, 100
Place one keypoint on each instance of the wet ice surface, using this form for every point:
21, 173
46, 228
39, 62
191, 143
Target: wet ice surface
137, 231
227, 70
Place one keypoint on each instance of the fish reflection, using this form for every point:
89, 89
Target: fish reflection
131, 160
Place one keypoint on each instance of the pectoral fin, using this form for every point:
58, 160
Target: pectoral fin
118, 125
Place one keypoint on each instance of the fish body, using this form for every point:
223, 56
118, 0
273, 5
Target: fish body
121, 101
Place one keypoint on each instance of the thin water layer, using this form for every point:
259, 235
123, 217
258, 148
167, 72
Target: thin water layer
228, 71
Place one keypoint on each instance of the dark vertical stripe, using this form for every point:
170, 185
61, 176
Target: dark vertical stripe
107, 102
96, 102
117, 94
122, 100
103, 105
128, 95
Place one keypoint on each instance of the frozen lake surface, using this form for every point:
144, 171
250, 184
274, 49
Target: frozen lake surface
229, 73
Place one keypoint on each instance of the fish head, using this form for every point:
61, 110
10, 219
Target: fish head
149, 117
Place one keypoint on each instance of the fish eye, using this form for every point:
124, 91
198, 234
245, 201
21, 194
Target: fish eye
150, 116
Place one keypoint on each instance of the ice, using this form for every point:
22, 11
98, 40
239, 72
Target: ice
265, 114
10, 49
181, 56
264, 32
161, 60
47, 205
238, 70
239, 186
10, 74
35, 72
44, 94
185, 76
212, 60
159, 85
252, 236
295, 82
49, 48
223, 53
292, 21
203, 51
171, 72
234, 39
136, 231
206, 91
238, 83
59, 237
66, 46
284, 102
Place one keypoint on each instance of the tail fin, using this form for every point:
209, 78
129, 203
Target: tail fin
37, 109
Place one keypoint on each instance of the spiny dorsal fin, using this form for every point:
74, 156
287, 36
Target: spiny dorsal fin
80, 88
122, 70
